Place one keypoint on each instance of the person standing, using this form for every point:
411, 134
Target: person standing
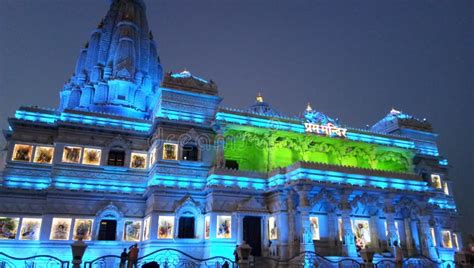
133, 256
123, 258
236, 254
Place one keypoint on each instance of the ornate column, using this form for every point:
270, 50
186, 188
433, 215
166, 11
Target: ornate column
265, 237
219, 145
374, 232
416, 236
409, 237
306, 238
240, 226
348, 246
389, 211
211, 249
292, 239
282, 233
438, 229
46, 224
332, 232
153, 225
428, 247
279, 208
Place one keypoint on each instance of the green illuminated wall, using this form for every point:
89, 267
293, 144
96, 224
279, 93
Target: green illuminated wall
262, 150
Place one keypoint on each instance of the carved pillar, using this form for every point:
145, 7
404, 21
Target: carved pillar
240, 226
120, 227
348, 246
374, 232
292, 239
265, 237
306, 236
219, 145
306, 239
212, 225
416, 236
154, 225
409, 237
282, 233
279, 207
46, 224
438, 229
332, 233
391, 228
427, 244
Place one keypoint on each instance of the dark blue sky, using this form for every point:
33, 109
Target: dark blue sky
351, 59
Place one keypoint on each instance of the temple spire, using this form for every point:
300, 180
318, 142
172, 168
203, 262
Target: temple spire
119, 72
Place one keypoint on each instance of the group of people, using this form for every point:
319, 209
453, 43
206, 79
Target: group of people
131, 257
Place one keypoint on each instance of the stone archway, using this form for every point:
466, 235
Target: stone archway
108, 223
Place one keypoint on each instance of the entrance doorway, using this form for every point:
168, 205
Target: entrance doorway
108, 230
253, 234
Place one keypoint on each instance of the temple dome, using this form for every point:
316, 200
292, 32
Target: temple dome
263, 108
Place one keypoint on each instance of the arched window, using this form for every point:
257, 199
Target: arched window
189, 219
108, 223
186, 227
116, 157
190, 152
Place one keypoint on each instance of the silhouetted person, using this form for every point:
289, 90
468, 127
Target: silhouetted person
236, 254
133, 256
123, 258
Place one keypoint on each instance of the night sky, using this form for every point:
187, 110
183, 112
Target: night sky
354, 60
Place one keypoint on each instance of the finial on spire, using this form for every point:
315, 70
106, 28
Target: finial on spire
308, 107
186, 73
394, 112
101, 24
259, 97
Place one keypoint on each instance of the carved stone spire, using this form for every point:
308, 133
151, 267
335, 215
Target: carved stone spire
119, 72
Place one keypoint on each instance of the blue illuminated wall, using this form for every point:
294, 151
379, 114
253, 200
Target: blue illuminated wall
182, 105
118, 100
38, 115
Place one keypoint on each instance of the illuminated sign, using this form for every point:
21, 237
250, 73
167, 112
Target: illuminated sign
329, 129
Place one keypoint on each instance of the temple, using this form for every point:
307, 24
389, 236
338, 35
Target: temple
134, 154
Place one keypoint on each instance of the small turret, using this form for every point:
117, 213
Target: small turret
315, 117
262, 108
395, 121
